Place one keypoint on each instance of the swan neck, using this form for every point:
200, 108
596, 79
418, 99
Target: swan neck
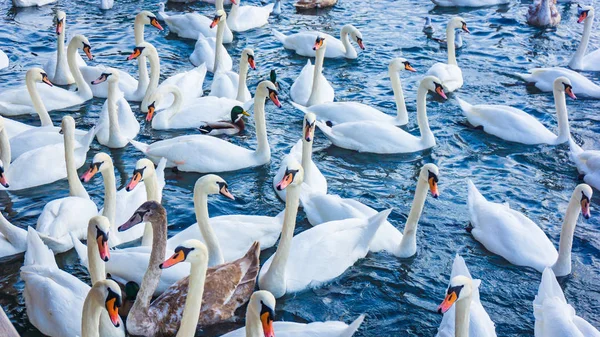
38, 104
306, 156
585, 39
253, 324
563, 262
215, 256
450, 37
76, 188
260, 124
193, 302
154, 77
562, 116
5, 152
344, 36
401, 112
219, 45
242, 78
90, 324
83, 88
426, 134
110, 197
175, 107
409, 238
95, 264
317, 76
462, 317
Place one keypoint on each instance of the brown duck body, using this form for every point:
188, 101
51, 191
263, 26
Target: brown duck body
310, 4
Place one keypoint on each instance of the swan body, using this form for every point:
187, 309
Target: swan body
554, 317
210, 50
311, 87
57, 66
587, 163
303, 42
449, 73
192, 25
469, 3
480, 323
3, 60
200, 153
13, 239
375, 137
31, 3
543, 13
543, 79
515, 237
243, 18
518, 126
342, 112
231, 85
581, 61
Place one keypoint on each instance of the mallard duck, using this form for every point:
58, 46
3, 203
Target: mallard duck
225, 127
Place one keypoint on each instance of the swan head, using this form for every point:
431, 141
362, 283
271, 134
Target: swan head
150, 211
584, 13
147, 18
356, 35
433, 84
144, 169
144, 48
460, 288
248, 54
237, 113
37, 75
584, 192
99, 226
219, 16
212, 184
262, 303
293, 176
100, 163
84, 44
108, 74
320, 43
59, 21
563, 84
401, 63
267, 89
188, 251
430, 173
458, 23
67, 126
3, 180
310, 121
109, 293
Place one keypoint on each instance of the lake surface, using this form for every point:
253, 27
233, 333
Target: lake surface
399, 296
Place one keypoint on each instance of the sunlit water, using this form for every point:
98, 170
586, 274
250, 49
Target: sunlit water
399, 296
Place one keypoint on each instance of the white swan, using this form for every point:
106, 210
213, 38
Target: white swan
322, 208
449, 73
342, 112
201, 153
479, 322
515, 237
3, 60
190, 114
210, 50
49, 290
260, 322
243, 18
581, 61
311, 87
104, 295
338, 244
302, 42
31, 3
314, 181
43, 165
57, 67
17, 101
233, 85
117, 123
543, 79
587, 163
376, 137
469, 3
192, 25
518, 126
133, 89
554, 317
13, 239
189, 82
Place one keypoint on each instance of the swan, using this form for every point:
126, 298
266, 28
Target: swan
449, 73
311, 4
226, 127
57, 67
106, 295
31, 3
554, 317
49, 290
302, 42
469, 3
3, 60
43, 165
210, 50
515, 237
322, 208
543, 79
133, 89
338, 244
203, 154
581, 61
543, 13
314, 181
192, 25
342, 112
311, 87
17, 101
243, 18
117, 124
189, 114
13, 239
189, 82
376, 137
227, 287
231, 85
586, 162
260, 316
479, 322
518, 126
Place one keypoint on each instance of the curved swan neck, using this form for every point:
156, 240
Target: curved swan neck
253, 324
95, 264
5, 152
562, 267
585, 40
154, 76
243, 74
110, 197
260, 124
401, 112
76, 188
138, 31
426, 134
61, 61
462, 317
306, 156
320, 57
560, 102
193, 302
90, 324
82, 86
409, 239
177, 101
215, 256
38, 104
450, 37
349, 51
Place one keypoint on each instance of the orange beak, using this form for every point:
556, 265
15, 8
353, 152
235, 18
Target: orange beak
136, 53
465, 29
447, 303
137, 177
285, 181
409, 68
155, 23
440, 91
569, 91
251, 62
46, 80
318, 44
150, 113
103, 248
309, 132
112, 306
87, 176
274, 98
585, 208
225, 192
59, 27
234, 2
215, 22
582, 16
433, 188
88, 52
3, 180
359, 41
173, 260
267, 324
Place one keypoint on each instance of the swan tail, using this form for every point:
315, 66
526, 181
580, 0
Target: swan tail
549, 288
15, 235
464, 105
373, 224
459, 267
140, 146
472, 196
279, 35
325, 127
525, 77
57, 245
89, 137
37, 252
80, 248
353, 327
300, 107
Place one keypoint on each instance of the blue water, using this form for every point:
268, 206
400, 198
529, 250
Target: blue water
399, 296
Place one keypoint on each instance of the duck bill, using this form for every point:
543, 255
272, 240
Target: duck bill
267, 324
225, 192
103, 248
3, 180
155, 23
582, 16
112, 306
87, 176
275, 99
433, 188
88, 52
285, 181
59, 27
173, 260
447, 303
137, 177
245, 113
585, 208
150, 113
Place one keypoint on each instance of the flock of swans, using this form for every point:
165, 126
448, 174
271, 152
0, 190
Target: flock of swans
150, 291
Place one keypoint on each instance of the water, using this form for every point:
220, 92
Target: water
399, 296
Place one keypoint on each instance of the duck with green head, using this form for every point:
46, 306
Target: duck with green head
226, 127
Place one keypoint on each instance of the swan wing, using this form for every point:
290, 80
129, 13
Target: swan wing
343, 112
302, 86
224, 85
303, 42
250, 17
449, 74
